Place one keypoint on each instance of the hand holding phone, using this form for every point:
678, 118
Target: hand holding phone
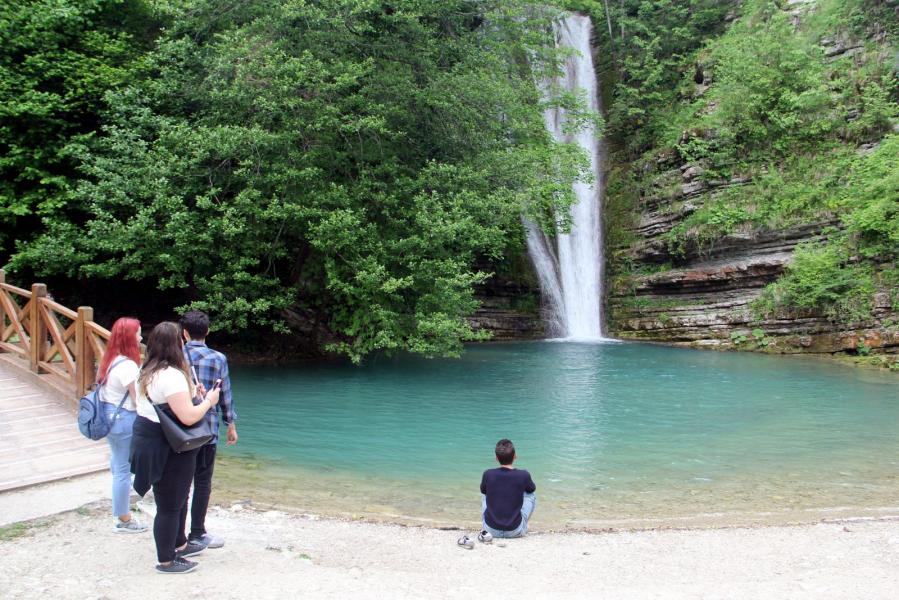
213, 394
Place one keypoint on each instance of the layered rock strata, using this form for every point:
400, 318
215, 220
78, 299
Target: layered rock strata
702, 296
509, 311
705, 301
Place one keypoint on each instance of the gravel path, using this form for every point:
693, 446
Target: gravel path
270, 554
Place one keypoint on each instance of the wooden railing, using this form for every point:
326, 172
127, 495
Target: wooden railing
52, 338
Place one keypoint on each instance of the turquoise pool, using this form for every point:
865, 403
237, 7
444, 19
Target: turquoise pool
614, 434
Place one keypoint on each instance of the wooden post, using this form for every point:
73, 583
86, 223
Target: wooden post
2, 311
37, 329
84, 351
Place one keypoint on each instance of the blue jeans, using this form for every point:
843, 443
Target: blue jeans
529, 502
119, 440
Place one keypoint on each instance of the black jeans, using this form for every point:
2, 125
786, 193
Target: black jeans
171, 493
202, 490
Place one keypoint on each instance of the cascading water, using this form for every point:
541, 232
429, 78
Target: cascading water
569, 266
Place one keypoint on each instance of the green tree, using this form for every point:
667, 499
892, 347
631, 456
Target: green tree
57, 59
771, 94
347, 162
656, 47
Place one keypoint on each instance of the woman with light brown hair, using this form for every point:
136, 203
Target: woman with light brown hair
164, 379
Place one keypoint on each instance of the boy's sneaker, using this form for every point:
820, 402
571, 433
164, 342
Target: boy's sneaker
209, 540
132, 526
177, 567
465, 542
192, 548
485, 537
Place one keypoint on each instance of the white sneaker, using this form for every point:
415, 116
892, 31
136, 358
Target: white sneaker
132, 526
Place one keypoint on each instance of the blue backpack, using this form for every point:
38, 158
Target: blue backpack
92, 422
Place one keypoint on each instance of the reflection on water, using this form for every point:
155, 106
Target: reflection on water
612, 433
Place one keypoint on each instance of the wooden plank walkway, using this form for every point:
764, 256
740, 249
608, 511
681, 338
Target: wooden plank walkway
39, 440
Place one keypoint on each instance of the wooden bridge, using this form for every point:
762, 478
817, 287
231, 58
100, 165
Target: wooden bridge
48, 358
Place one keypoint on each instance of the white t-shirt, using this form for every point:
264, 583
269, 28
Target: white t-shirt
162, 384
118, 380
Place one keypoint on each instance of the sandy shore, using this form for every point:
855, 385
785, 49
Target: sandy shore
272, 554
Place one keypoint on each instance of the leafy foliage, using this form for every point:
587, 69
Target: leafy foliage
57, 59
872, 202
763, 107
656, 41
348, 162
770, 98
840, 277
357, 167
822, 277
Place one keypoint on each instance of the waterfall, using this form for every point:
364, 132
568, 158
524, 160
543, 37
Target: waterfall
539, 249
569, 266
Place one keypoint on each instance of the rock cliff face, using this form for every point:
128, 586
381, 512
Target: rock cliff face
509, 310
701, 297
672, 287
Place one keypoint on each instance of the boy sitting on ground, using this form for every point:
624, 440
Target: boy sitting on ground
508, 497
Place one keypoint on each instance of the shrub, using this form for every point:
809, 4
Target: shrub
821, 278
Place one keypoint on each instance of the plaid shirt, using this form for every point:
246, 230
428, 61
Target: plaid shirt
211, 365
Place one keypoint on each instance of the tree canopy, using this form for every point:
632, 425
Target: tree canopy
57, 60
346, 163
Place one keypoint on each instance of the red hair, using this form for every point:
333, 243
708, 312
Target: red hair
122, 341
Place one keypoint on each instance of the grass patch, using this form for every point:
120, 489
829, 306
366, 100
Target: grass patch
14, 531
878, 361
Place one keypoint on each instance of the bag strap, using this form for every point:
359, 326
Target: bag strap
102, 382
193, 370
119, 407
127, 392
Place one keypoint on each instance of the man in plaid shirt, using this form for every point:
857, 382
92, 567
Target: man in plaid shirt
208, 366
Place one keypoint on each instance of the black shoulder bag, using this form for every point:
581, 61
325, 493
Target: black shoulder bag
183, 437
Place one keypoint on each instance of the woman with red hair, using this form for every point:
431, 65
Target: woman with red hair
118, 372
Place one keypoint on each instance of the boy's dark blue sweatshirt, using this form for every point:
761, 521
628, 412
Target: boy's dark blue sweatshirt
504, 489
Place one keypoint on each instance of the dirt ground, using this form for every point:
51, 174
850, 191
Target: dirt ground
272, 554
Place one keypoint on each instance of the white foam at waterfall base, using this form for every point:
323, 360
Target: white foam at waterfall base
591, 340
570, 269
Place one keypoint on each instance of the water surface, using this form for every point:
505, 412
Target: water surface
613, 434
